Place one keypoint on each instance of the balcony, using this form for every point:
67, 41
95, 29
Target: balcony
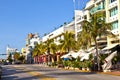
113, 18
96, 9
97, 1
80, 20
112, 5
115, 31
79, 28
89, 4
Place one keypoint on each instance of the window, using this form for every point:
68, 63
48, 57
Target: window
113, 11
111, 1
116, 41
100, 6
115, 25
35, 43
85, 16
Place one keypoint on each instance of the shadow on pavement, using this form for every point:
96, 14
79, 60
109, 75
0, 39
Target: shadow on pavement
10, 74
17, 78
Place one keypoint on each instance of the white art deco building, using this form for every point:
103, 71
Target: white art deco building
10, 51
112, 13
31, 41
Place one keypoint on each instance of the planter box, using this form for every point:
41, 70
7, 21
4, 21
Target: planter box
88, 69
77, 69
71, 68
83, 69
106, 70
66, 67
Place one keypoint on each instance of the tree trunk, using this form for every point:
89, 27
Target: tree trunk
58, 58
53, 58
97, 55
49, 60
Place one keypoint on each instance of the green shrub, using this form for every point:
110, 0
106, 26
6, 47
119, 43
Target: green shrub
76, 64
54, 64
67, 63
86, 64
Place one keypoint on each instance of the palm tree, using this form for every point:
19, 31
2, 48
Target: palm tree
39, 49
68, 43
9, 58
48, 44
84, 40
53, 50
35, 51
93, 28
16, 56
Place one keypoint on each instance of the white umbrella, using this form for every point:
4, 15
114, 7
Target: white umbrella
65, 56
68, 54
75, 55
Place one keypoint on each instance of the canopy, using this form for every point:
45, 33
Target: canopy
86, 56
75, 55
71, 54
66, 55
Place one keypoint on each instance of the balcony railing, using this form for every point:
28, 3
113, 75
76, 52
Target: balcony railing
113, 18
95, 9
111, 5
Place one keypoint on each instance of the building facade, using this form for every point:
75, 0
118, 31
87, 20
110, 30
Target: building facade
31, 41
111, 8
58, 33
10, 51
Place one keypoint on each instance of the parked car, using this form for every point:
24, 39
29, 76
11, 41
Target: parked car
18, 62
5, 63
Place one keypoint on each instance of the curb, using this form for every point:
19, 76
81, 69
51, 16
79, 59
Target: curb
107, 73
110, 73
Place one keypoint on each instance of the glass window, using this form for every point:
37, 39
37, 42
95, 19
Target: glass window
115, 25
35, 43
111, 1
113, 11
85, 16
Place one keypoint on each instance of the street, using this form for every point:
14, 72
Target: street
39, 72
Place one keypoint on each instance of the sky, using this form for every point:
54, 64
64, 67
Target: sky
20, 17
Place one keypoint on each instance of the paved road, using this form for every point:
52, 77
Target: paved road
38, 72
16, 73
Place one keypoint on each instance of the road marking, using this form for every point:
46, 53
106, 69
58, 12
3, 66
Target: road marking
36, 74
42, 77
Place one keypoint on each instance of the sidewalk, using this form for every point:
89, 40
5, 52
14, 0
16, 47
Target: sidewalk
114, 72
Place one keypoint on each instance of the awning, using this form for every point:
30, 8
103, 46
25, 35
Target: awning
65, 56
110, 47
71, 54
75, 55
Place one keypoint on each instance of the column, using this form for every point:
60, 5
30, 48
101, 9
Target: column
107, 19
118, 1
107, 11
